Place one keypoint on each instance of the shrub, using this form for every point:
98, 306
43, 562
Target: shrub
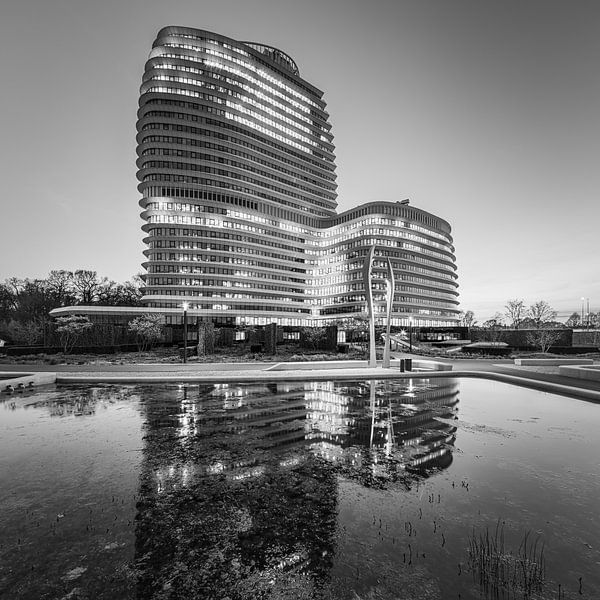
147, 329
70, 329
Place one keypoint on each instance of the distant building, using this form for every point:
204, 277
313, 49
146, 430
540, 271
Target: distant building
237, 176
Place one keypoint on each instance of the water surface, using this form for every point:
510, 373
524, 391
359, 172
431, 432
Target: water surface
299, 490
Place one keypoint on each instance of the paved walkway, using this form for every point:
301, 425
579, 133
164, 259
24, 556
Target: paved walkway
542, 378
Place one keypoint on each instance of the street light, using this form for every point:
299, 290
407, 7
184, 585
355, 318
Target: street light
582, 309
185, 307
410, 326
588, 314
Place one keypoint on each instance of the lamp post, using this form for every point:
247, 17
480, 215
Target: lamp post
588, 314
185, 307
582, 309
410, 326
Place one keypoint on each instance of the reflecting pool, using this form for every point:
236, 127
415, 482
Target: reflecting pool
414, 489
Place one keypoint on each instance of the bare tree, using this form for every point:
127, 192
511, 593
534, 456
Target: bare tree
30, 298
540, 312
515, 311
27, 333
131, 291
543, 338
108, 293
498, 319
574, 320
60, 287
468, 319
493, 327
87, 284
71, 328
8, 301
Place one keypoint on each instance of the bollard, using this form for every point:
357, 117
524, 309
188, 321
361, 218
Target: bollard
408, 364
401, 365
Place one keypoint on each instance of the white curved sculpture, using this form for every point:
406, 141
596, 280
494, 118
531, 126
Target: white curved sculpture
389, 298
390, 284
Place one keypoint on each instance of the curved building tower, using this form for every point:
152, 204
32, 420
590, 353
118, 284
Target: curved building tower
237, 177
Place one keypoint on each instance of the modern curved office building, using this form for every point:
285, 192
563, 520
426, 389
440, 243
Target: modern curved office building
237, 176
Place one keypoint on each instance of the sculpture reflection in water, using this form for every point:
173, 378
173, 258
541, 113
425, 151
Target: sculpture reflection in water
371, 283
238, 494
384, 431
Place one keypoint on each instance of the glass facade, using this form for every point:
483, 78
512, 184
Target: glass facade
236, 170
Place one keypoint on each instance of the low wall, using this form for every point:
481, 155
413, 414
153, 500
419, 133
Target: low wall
425, 365
588, 372
573, 391
550, 362
417, 365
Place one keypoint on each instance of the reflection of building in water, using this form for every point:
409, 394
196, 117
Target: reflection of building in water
234, 478
221, 504
269, 416
75, 406
85, 401
389, 426
388, 423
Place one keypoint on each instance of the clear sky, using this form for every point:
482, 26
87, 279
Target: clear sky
483, 112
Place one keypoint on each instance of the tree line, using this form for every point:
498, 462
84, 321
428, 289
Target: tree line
25, 303
538, 320
538, 315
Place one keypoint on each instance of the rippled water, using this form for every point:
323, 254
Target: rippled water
306, 490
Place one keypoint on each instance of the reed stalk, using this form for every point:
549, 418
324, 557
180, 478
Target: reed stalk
502, 573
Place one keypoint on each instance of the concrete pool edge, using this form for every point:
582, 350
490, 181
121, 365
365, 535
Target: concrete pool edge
328, 375
10, 380
300, 371
588, 372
